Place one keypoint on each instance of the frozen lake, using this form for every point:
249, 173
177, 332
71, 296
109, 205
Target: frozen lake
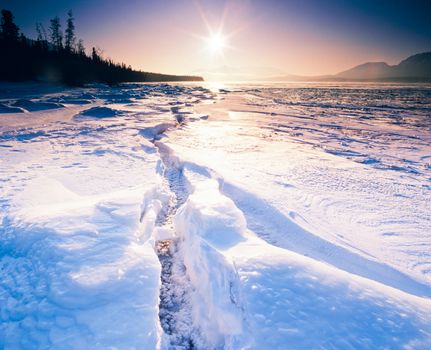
211, 216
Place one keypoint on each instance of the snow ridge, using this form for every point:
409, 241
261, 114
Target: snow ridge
199, 295
211, 224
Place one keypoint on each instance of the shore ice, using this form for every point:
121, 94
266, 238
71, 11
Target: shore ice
286, 243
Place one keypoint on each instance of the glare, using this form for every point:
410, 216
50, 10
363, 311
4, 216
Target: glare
216, 42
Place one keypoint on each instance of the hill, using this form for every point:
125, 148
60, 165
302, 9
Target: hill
416, 68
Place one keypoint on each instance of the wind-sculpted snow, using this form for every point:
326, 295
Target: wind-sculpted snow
75, 275
285, 179
167, 216
251, 294
78, 264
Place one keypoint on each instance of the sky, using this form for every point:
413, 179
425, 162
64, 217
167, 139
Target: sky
250, 37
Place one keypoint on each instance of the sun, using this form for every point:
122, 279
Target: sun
216, 42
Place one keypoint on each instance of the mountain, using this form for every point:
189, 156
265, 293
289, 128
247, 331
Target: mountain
368, 71
416, 68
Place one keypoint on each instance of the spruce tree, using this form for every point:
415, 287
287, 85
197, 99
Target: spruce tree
56, 34
80, 49
9, 29
70, 32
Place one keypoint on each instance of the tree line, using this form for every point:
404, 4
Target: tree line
59, 57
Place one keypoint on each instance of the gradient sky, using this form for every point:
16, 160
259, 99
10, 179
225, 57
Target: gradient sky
307, 37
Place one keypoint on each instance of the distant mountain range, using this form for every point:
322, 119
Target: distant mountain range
416, 68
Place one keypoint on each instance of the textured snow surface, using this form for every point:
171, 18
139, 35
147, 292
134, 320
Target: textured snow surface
215, 217
79, 200
261, 296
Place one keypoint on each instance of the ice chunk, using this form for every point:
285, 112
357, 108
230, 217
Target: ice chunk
33, 106
99, 113
8, 109
153, 132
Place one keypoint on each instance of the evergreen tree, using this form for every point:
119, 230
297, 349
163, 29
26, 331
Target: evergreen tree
9, 29
23, 59
39, 32
56, 34
23, 39
42, 39
94, 55
80, 49
70, 32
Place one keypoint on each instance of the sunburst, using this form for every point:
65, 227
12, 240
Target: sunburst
217, 42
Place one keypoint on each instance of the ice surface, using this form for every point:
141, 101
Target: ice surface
188, 216
297, 195
261, 296
79, 269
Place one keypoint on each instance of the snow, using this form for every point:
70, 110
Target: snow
209, 224
32, 106
79, 269
98, 112
298, 196
158, 216
76, 275
277, 297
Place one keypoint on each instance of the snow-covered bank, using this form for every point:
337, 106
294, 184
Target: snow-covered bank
150, 217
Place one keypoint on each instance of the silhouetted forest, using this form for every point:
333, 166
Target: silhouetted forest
59, 57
